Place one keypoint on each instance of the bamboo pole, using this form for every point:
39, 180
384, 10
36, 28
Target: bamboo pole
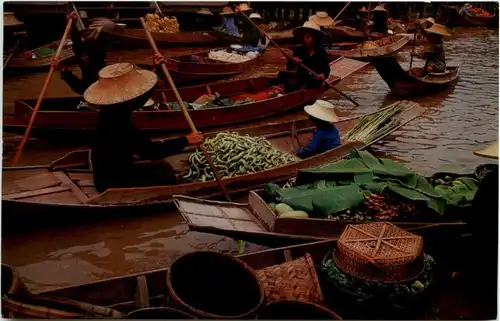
414, 42
345, 7
6, 62
185, 112
300, 64
81, 26
40, 97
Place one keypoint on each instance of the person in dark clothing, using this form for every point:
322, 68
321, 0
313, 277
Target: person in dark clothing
121, 88
435, 57
326, 136
205, 20
312, 55
252, 35
90, 54
362, 20
380, 20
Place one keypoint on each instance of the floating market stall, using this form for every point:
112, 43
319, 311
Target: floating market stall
379, 48
41, 57
67, 184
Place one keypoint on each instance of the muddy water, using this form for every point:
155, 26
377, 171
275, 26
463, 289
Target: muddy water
456, 122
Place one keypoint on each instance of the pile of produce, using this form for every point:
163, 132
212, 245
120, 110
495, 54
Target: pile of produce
222, 55
235, 155
156, 23
284, 211
366, 289
369, 45
365, 188
478, 12
371, 127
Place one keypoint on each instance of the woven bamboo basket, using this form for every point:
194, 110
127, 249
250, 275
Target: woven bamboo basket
292, 280
379, 252
53, 308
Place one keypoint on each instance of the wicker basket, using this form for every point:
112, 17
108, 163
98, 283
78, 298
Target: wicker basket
380, 252
292, 280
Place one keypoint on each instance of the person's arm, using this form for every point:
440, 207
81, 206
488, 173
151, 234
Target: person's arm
73, 81
313, 144
145, 148
291, 64
325, 66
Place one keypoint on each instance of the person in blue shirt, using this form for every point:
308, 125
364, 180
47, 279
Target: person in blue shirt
229, 26
326, 136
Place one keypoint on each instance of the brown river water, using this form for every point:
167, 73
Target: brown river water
456, 122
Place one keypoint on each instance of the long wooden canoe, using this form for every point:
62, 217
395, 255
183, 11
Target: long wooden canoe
41, 62
149, 289
67, 184
386, 47
490, 21
255, 222
60, 116
407, 83
338, 33
136, 37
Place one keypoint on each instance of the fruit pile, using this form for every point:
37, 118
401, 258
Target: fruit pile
478, 12
156, 23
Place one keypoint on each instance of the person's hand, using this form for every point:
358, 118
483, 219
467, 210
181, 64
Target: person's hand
262, 33
56, 63
320, 77
296, 59
73, 15
158, 59
195, 138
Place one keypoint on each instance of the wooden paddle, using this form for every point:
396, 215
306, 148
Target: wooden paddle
6, 62
81, 26
300, 64
184, 110
414, 41
40, 97
345, 7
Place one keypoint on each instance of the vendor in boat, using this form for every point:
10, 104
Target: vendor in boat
121, 88
204, 19
90, 54
251, 35
312, 55
380, 23
362, 20
326, 136
228, 25
435, 58
324, 21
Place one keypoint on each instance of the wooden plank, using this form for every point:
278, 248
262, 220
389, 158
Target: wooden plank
15, 181
66, 181
44, 191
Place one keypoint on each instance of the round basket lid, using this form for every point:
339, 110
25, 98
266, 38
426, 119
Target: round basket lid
379, 252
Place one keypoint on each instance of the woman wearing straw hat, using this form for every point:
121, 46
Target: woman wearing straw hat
380, 24
90, 54
322, 19
228, 25
122, 88
311, 54
435, 58
362, 20
251, 35
326, 136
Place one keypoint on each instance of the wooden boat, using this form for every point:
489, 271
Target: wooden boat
255, 222
338, 33
386, 47
137, 37
454, 19
148, 289
408, 83
67, 184
19, 62
59, 115
490, 21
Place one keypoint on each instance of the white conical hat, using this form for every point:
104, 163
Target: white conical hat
309, 26
321, 18
490, 152
322, 110
119, 83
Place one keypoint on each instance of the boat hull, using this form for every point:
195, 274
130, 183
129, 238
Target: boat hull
394, 45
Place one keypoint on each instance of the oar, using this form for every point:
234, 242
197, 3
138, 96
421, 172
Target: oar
300, 64
414, 41
338, 15
184, 110
80, 22
40, 97
6, 62
158, 8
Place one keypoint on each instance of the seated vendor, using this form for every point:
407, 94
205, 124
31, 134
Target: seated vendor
229, 26
251, 35
326, 136
380, 23
312, 55
122, 88
435, 58
362, 20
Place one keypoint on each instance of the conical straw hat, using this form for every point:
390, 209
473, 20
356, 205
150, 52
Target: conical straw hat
322, 110
321, 18
431, 20
226, 11
256, 16
489, 152
9, 20
439, 30
244, 7
363, 9
380, 8
205, 11
119, 83
309, 26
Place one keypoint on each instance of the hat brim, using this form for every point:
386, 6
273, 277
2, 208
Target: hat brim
328, 117
257, 18
205, 13
120, 92
488, 152
299, 32
13, 24
443, 33
322, 22
226, 13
